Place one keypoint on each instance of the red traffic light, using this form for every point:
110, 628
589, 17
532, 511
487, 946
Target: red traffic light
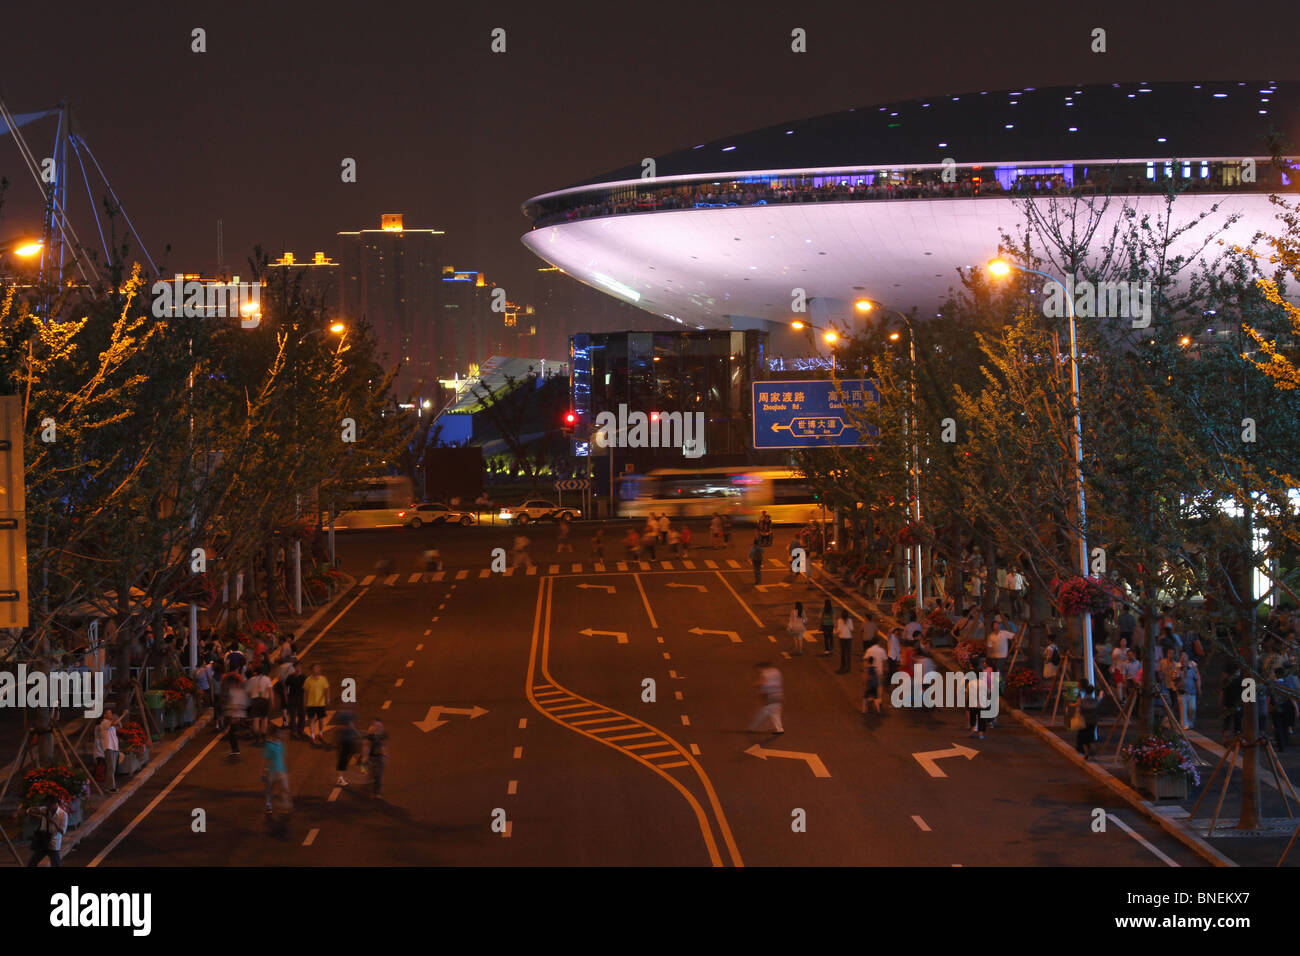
570, 418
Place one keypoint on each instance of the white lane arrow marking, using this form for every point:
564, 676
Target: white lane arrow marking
734, 637
621, 635
927, 759
698, 587
431, 718
607, 588
764, 587
814, 762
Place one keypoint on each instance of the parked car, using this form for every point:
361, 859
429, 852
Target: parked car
434, 512
538, 509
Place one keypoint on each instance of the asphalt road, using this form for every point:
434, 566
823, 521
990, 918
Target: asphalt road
573, 763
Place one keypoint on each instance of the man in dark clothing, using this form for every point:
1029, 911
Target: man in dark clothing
295, 701
1230, 696
756, 561
1127, 625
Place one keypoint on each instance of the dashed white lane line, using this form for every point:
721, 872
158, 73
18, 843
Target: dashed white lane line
621, 565
677, 694
554, 569
311, 836
419, 647
486, 572
440, 607
667, 656
386, 704
689, 565
510, 828
659, 639
523, 722
462, 574
710, 564
519, 753
1146, 843
428, 631
786, 655
695, 749
435, 620
399, 681
955, 864
577, 568
925, 827
512, 787
439, 575
600, 565
771, 638
367, 580
673, 675
686, 721
453, 587
334, 794
733, 563
410, 663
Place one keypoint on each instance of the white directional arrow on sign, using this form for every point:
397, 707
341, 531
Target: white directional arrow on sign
698, 587
607, 588
927, 759
814, 762
735, 638
622, 636
431, 718
764, 587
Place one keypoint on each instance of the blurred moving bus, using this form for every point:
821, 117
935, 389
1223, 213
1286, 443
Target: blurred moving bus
374, 503
743, 493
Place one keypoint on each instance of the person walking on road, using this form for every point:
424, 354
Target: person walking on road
295, 717
771, 692
1084, 720
275, 772
715, 530
796, 626
874, 662
349, 746
894, 649
756, 561
236, 698
598, 545
1189, 683
376, 754
106, 745
828, 628
664, 525
48, 838
259, 695
686, 540
844, 634
977, 689
562, 537
648, 541
519, 552
317, 691
869, 630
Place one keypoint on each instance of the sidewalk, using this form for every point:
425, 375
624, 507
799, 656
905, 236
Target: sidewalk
1227, 846
99, 807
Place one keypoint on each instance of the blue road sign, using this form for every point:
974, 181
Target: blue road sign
809, 414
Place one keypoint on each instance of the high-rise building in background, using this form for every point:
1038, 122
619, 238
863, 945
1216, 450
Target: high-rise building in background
392, 278
319, 278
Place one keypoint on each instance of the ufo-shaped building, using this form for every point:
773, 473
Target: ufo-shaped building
888, 202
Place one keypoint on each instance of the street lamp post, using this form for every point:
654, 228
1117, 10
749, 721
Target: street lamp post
1002, 267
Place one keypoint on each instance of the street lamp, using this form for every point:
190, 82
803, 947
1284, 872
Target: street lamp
829, 336
863, 306
1003, 267
23, 248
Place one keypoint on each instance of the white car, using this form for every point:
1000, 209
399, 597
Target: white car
538, 509
433, 512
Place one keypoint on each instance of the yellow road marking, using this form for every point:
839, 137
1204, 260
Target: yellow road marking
748, 610
512, 786
632, 736
644, 600
662, 753
669, 766
595, 720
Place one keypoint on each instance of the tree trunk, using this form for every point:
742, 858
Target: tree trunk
1250, 799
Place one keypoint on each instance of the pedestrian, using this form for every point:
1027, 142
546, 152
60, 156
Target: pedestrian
519, 552
828, 628
869, 629
765, 528
1167, 673
726, 530
259, 694
295, 704
316, 690
1118, 657
874, 663
376, 754
1084, 720
648, 541
1133, 673
203, 684
598, 545
977, 689
686, 540
236, 699
106, 745
1283, 705
1051, 659
715, 530
999, 644
48, 838
275, 772
894, 649
675, 542
796, 626
664, 525
1189, 685
349, 746
912, 631
844, 633
770, 692
1230, 700
562, 537
756, 561
631, 543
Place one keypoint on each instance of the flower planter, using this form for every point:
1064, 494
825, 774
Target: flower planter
1158, 786
76, 812
159, 720
189, 713
171, 720
127, 764
1032, 700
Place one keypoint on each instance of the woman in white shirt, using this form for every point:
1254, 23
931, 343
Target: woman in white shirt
844, 632
796, 626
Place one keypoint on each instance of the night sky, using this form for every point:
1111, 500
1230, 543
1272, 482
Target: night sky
253, 131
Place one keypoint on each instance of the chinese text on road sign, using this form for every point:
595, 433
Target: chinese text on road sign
809, 414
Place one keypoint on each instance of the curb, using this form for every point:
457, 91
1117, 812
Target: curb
107, 809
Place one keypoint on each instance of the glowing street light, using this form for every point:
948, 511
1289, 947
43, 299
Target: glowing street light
863, 305
28, 249
797, 325
830, 337
999, 268
338, 328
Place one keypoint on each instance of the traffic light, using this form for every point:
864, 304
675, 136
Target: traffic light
570, 419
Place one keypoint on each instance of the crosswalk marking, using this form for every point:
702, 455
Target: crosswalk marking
577, 568
600, 565
415, 578
633, 736
689, 565
390, 580
732, 562
311, 836
662, 753
645, 565
365, 582
622, 565
532, 569
439, 575
666, 565
582, 713
595, 720
541, 687
556, 710
776, 563
555, 569
512, 787
462, 575
669, 766
648, 743
485, 572
710, 564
